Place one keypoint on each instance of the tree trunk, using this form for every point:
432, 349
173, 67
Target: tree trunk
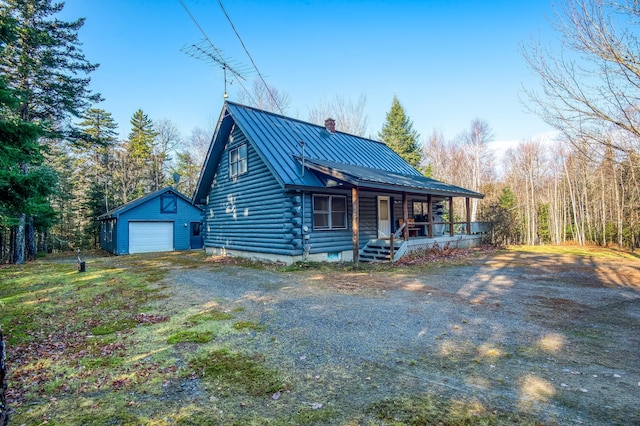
18, 257
4, 410
31, 240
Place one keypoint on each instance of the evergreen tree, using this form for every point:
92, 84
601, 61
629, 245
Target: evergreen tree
44, 63
141, 137
189, 172
93, 177
399, 135
139, 154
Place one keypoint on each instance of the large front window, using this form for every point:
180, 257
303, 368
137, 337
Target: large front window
238, 161
329, 212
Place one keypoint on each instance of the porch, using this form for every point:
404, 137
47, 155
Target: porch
400, 243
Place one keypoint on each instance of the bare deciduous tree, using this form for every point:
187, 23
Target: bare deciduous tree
167, 138
591, 86
264, 97
349, 115
198, 145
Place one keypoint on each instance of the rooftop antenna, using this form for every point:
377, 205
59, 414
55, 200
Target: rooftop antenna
206, 51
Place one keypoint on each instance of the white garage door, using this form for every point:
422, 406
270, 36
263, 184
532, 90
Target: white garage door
145, 237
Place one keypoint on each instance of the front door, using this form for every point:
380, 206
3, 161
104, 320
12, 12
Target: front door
197, 242
384, 217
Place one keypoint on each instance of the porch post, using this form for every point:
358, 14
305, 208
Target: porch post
405, 216
451, 216
355, 224
430, 217
468, 205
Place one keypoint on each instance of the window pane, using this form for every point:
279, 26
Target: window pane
233, 155
320, 220
242, 154
242, 166
384, 209
233, 169
338, 220
321, 203
338, 204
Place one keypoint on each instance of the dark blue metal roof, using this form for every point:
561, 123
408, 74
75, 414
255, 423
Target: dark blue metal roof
285, 144
385, 180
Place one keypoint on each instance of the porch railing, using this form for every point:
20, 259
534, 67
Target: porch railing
427, 228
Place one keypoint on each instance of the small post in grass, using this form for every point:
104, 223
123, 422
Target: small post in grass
81, 264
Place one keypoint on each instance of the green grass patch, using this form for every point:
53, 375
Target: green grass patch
248, 325
114, 326
191, 337
210, 315
232, 372
102, 362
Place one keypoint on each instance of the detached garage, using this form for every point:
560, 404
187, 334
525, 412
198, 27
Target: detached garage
161, 221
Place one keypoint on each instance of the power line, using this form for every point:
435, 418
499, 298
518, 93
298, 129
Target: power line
275, 101
216, 56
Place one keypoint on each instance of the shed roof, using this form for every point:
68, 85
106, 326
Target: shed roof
114, 213
288, 146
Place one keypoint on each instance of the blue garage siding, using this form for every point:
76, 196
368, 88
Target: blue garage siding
150, 211
108, 235
250, 212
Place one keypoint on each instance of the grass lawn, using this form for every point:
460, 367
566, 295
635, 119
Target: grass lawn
100, 347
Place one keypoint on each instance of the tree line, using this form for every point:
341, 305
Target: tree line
62, 164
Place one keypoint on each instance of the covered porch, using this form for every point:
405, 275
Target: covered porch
410, 210
425, 222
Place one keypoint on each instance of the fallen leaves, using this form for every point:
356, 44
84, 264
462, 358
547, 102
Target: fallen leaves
148, 319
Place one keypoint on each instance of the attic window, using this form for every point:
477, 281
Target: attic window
168, 203
238, 161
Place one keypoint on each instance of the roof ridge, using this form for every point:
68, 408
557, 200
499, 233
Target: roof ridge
298, 120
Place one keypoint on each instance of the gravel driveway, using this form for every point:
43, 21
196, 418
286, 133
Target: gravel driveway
557, 337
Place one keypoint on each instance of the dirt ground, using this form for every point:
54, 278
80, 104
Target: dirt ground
553, 336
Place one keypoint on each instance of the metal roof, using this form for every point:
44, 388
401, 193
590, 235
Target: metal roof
114, 213
285, 143
381, 179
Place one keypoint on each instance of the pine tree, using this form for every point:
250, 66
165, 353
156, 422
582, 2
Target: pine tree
189, 172
45, 64
139, 154
399, 135
93, 158
141, 137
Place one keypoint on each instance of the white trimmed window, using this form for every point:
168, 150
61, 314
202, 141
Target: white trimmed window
238, 161
329, 212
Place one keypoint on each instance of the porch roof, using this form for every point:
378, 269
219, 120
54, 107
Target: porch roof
365, 177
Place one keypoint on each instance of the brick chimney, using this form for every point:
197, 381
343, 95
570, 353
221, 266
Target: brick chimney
330, 125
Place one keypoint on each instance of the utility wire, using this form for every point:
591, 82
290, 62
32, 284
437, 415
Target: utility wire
206, 37
275, 101
273, 98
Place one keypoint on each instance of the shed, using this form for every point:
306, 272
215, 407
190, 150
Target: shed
164, 220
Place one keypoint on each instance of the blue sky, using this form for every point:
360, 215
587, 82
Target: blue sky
448, 62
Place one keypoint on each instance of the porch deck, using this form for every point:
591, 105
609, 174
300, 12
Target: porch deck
457, 241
